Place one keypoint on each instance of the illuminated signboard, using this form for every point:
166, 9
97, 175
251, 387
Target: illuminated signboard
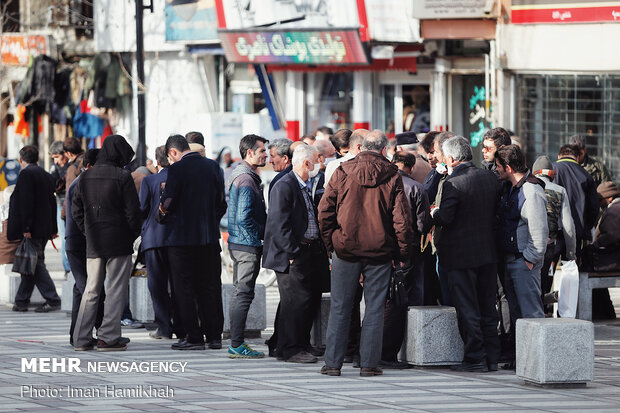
563, 11
338, 47
17, 48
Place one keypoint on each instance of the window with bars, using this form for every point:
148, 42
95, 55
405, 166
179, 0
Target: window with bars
551, 108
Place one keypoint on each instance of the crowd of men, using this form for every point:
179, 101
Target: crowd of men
346, 212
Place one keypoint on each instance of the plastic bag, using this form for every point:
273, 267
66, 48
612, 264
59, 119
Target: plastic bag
25, 257
569, 288
398, 287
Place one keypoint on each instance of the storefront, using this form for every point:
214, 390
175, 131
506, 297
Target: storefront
315, 70
562, 79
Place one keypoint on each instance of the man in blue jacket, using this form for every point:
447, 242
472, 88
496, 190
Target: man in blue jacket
154, 237
246, 228
192, 203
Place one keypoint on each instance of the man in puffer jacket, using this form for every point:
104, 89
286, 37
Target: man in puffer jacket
246, 228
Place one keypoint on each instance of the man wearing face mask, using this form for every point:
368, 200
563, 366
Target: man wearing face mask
294, 250
327, 154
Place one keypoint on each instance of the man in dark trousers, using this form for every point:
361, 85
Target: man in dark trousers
154, 237
294, 250
32, 214
467, 252
192, 203
107, 211
76, 252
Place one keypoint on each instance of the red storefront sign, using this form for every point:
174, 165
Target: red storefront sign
562, 11
17, 48
340, 47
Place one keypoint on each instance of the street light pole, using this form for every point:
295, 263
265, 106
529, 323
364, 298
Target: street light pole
141, 150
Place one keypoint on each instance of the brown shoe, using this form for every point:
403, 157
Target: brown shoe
330, 371
302, 357
371, 371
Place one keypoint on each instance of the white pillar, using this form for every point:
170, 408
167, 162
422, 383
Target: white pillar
439, 98
362, 99
294, 105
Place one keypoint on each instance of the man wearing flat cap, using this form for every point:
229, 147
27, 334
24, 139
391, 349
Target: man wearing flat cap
408, 142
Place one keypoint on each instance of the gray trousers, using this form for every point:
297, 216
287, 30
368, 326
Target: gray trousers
246, 266
117, 270
523, 289
344, 282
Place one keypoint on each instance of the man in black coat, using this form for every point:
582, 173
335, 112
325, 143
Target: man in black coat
467, 252
107, 211
32, 214
192, 203
75, 244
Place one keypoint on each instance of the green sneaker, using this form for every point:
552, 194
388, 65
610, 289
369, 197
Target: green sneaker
244, 351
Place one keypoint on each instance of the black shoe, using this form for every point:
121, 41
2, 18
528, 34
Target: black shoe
330, 371
315, 351
215, 344
46, 308
356, 362
492, 366
395, 365
118, 346
480, 367
124, 340
20, 308
510, 366
185, 345
302, 357
158, 336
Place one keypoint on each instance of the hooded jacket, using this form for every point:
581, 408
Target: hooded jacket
105, 204
364, 213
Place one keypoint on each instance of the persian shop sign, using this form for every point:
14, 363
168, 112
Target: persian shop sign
562, 11
16, 49
294, 47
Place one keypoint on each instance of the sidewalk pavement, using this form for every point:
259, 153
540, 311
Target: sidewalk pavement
211, 381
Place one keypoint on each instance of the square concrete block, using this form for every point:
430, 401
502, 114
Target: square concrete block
140, 302
432, 337
555, 350
319, 327
14, 281
67, 293
257, 314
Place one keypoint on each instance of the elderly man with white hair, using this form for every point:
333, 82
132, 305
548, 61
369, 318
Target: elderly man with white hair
294, 250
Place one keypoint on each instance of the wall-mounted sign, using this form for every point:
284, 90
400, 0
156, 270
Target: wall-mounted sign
294, 47
387, 26
191, 20
451, 9
562, 11
16, 49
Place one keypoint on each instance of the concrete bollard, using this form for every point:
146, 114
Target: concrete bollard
555, 350
432, 337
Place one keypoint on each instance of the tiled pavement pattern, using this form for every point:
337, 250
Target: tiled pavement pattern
211, 381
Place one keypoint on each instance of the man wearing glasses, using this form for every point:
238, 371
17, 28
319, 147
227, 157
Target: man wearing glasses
494, 139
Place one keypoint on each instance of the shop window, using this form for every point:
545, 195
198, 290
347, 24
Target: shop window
551, 108
333, 101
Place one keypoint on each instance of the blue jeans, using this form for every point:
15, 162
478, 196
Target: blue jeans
523, 289
61, 236
344, 282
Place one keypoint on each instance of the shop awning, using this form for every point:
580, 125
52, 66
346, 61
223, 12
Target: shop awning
397, 63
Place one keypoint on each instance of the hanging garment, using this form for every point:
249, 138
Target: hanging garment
21, 125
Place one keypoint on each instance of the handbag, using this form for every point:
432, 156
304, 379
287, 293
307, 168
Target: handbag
26, 257
397, 293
